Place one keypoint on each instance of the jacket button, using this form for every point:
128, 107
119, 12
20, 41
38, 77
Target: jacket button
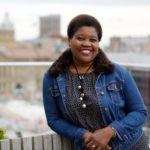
106, 108
102, 92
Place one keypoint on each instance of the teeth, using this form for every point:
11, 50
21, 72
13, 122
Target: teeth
86, 51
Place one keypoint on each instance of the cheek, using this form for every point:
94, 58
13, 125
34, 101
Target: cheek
96, 48
96, 45
76, 44
73, 43
73, 48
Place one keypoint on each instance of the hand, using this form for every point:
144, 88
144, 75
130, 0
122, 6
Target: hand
87, 137
87, 141
99, 139
103, 136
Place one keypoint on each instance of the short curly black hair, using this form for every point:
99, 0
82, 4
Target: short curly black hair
84, 20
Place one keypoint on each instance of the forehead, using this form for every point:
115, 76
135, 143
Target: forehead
85, 30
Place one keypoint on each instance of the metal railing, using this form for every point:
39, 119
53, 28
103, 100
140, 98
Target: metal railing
49, 141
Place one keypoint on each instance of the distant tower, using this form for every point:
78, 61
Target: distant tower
49, 25
7, 37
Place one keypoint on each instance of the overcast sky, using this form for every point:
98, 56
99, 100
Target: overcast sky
108, 2
118, 17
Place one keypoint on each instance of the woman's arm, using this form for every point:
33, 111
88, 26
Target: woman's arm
134, 106
54, 118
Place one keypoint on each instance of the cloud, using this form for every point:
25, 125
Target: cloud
85, 2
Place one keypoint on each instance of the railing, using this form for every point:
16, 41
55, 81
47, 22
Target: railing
49, 141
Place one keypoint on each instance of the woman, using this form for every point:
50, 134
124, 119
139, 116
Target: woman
90, 99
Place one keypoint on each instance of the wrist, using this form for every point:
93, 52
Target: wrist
113, 131
86, 134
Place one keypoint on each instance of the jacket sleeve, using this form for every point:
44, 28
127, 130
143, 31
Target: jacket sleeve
54, 118
135, 108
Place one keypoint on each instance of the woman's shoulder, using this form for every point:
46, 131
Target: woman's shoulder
46, 74
51, 78
120, 67
119, 70
47, 77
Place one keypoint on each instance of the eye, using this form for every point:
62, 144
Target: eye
80, 38
93, 40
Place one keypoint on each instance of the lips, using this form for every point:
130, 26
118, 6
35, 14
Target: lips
86, 52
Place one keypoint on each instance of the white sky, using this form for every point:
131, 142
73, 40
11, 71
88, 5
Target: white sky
131, 18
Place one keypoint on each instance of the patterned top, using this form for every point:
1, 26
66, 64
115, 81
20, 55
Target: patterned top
90, 117
142, 144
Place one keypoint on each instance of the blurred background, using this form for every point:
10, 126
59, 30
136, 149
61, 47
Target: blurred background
32, 36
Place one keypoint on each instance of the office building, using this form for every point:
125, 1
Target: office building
49, 25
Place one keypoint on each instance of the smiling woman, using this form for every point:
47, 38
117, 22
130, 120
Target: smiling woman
91, 100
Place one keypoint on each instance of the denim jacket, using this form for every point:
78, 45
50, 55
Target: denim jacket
120, 103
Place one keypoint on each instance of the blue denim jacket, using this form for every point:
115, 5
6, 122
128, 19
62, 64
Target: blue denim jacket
120, 103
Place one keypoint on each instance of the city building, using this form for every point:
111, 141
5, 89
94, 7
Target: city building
21, 81
7, 33
142, 79
49, 25
129, 44
26, 52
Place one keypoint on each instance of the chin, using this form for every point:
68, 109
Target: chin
86, 61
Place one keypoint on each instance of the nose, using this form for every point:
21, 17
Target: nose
86, 43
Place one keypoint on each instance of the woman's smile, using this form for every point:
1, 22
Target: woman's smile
86, 52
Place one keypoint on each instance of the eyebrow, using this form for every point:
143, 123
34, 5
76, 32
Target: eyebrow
93, 36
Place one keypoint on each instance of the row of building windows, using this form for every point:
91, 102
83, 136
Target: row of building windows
11, 76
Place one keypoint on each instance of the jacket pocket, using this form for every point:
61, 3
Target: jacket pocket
115, 91
54, 91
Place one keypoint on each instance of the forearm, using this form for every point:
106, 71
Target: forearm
129, 123
65, 128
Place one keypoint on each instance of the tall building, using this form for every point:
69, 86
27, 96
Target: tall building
49, 25
7, 37
130, 44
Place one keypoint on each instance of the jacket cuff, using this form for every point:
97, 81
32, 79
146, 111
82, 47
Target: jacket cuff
79, 134
119, 130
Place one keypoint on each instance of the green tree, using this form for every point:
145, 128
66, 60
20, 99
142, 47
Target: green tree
2, 133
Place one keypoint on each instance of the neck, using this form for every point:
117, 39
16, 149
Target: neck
82, 68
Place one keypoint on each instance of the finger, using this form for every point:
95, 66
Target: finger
92, 148
98, 148
90, 145
87, 141
101, 148
107, 147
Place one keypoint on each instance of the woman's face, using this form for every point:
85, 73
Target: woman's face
84, 45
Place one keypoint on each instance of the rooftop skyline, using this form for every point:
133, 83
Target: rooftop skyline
125, 18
